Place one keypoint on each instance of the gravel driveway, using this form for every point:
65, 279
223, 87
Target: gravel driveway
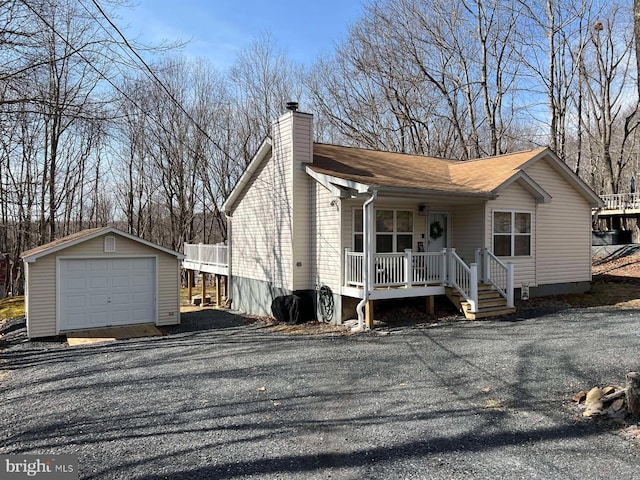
218, 398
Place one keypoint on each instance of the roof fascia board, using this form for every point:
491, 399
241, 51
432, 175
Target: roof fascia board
438, 193
245, 179
329, 181
98, 233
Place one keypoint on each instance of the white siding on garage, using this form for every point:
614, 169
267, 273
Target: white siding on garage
42, 282
515, 198
563, 229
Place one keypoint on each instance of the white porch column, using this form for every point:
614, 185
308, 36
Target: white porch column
444, 265
473, 287
510, 299
346, 267
452, 267
370, 245
408, 267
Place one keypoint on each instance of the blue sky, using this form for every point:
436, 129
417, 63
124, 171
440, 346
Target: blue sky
219, 29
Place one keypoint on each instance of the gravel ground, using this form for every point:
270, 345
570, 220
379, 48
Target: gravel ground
223, 398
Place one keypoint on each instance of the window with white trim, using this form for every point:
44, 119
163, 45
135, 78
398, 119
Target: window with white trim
358, 230
393, 230
511, 233
110, 244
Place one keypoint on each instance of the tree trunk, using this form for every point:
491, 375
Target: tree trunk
633, 394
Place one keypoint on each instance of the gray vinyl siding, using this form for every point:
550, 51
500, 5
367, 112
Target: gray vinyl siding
563, 229
468, 229
328, 255
42, 282
515, 198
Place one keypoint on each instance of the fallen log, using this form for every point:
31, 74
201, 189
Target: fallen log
614, 395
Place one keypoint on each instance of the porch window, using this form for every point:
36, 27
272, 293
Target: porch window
394, 230
358, 237
511, 233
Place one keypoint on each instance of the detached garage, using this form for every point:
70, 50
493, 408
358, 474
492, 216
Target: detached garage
100, 277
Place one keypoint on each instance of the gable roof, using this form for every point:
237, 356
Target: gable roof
374, 170
70, 240
344, 170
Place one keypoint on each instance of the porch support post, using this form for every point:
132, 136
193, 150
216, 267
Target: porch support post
473, 287
218, 290
369, 314
204, 288
510, 299
190, 275
347, 277
408, 267
431, 305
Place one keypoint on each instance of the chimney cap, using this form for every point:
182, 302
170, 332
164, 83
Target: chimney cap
293, 106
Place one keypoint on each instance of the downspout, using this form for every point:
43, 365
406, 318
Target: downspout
228, 286
367, 220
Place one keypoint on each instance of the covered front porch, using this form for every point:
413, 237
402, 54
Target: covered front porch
427, 274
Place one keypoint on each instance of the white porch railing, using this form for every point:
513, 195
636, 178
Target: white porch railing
409, 269
207, 258
497, 273
621, 201
403, 269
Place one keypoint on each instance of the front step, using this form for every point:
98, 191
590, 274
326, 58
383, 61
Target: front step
490, 303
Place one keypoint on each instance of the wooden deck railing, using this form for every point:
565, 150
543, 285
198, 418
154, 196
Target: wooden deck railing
621, 201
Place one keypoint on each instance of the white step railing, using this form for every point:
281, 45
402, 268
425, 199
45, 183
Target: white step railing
497, 273
463, 278
200, 253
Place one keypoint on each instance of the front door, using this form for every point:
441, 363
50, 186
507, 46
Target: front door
437, 230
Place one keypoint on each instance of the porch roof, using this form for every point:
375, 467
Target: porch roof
387, 170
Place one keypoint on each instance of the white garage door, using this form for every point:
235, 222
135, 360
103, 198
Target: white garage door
101, 292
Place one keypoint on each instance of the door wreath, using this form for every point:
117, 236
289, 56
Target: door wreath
436, 230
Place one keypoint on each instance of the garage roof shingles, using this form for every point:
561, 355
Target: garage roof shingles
60, 242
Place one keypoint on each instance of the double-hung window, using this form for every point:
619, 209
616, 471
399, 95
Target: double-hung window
393, 230
511, 233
